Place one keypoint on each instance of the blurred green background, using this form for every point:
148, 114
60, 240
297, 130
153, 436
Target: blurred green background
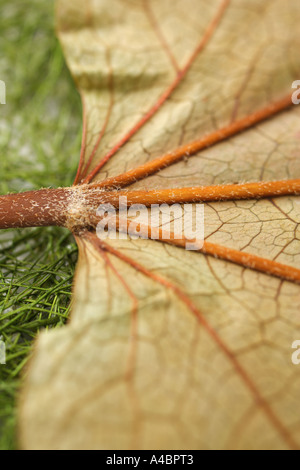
40, 134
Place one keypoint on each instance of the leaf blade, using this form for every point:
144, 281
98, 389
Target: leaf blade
231, 383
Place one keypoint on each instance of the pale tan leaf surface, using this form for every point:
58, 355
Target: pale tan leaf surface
169, 349
120, 65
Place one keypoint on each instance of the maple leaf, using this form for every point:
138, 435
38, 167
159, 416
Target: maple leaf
167, 348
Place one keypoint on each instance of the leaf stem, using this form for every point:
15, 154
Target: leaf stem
46, 207
75, 208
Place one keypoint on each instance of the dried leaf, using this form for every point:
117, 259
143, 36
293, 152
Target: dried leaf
170, 349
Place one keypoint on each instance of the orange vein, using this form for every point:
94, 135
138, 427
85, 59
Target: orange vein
226, 192
192, 148
83, 141
207, 35
246, 260
258, 398
254, 262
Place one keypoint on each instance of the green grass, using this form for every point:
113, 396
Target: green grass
40, 133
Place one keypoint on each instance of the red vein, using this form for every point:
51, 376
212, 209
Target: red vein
83, 142
192, 148
258, 398
133, 348
160, 35
132, 355
245, 82
108, 114
207, 35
